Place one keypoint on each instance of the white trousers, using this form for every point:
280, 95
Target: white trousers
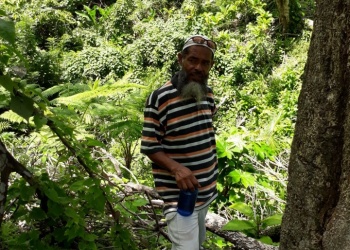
187, 232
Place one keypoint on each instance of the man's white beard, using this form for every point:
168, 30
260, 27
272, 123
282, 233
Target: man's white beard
194, 90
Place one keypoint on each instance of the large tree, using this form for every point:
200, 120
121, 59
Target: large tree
317, 214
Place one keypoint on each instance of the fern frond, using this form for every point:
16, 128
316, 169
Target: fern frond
73, 89
12, 117
4, 125
108, 90
54, 90
4, 97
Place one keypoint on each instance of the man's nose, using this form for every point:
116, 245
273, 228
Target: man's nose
199, 67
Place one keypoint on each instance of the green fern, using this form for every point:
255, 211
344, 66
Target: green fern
108, 90
12, 117
4, 125
54, 90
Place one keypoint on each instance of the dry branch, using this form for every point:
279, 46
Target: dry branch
214, 223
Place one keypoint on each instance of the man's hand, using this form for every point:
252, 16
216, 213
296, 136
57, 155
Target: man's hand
185, 179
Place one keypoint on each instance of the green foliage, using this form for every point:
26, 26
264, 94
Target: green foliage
250, 179
253, 224
51, 23
73, 81
93, 63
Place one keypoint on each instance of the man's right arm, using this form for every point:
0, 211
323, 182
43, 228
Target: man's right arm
184, 177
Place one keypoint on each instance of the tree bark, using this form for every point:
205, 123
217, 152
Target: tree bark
8, 164
283, 9
317, 214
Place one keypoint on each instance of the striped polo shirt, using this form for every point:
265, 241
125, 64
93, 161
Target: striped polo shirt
183, 129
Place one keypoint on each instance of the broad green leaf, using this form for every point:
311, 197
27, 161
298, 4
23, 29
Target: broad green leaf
72, 231
219, 187
55, 209
89, 182
273, 220
82, 15
78, 185
99, 203
7, 31
221, 148
83, 245
72, 213
38, 214
238, 141
7, 83
58, 233
26, 192
219, 242
96, 191
234, 196
244, 209
139, 202
94, 143
239, 225
52, 194
39, 121
89, 237
266, 240
235, 176
22, 105
247, 179
259, 151
4, 58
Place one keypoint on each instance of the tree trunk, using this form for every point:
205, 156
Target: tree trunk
317, 214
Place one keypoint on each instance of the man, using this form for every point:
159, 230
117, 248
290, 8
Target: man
178, 136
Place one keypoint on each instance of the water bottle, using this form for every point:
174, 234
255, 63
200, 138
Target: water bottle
187, 202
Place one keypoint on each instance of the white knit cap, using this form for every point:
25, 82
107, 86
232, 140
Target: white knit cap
189, 42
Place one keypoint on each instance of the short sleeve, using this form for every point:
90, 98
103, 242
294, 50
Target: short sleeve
152, 130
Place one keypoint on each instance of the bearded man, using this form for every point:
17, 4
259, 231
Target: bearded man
178, 137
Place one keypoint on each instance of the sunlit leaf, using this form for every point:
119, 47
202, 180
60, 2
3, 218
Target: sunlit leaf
266, 240
7, 31
7, 83
247, 179
273, 220
94, 143
243, 208
39, 121
22, 105
78, 185
239, 225
235, 176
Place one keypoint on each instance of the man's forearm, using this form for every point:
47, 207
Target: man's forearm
183, 175
161, 159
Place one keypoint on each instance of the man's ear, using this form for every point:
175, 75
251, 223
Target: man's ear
179, 58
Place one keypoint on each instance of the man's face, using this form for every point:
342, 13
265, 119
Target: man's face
197, 63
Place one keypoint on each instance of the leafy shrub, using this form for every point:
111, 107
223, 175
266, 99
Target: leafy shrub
51, 23
92, 63
157, 45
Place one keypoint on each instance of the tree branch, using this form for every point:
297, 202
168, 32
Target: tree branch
214, 223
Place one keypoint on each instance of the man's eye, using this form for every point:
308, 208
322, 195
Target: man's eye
206, 63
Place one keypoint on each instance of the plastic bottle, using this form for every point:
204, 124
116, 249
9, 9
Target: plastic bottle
187, 202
